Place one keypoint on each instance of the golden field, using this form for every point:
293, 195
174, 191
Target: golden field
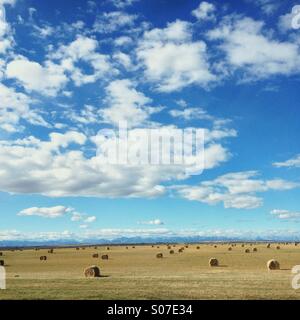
136, 273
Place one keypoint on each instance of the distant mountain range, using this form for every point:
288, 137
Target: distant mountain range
139, 240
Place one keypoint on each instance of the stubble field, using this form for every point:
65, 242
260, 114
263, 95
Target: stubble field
136, 273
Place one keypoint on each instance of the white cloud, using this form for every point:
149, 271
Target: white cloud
14, 107
109, 234
267, 6
59, 166
249, 48
171, 60
124, 60
156, 222
235, 190
51, 212
84, 50
286, 214
61, 66
294, 162
126, 104
90, 219
48, 79
6, 38
205, 11
123, 41
113, 21
190, 114
123, 3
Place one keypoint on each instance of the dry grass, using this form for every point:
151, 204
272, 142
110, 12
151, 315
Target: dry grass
137, 274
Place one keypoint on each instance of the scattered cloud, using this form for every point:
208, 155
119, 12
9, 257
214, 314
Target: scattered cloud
249, 48
123, 3
156, 222
294, 162
286, 214
190, 114
16, 106
127, 104
235, 190
172, 60
51, 212
205, 11
48, 79
113, 21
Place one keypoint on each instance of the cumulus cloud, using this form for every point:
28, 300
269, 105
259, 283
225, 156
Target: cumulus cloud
48, 79
57, 212
51, 212
113, 21
249, 48
16, 106
293, 162
59, 166
172, 60
205, 11
82, 50
127, 104
235, 190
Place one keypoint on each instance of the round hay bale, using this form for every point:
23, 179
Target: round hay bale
243, 245
108, 248
278, 248
187, 246
1, 262
152, 246
159, 256
213, 262
172, 252
247, 251
157, 247
50, 251
77, 248
95, 248
215, 246
104, 257
43, 258
133, 247
127, 248
254, 249
269, 245
229, 249
180, 250
198, 248
273, 265
95, 255
169, 247
1, 254
92, 272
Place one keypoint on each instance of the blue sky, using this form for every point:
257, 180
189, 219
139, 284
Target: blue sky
71, 68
